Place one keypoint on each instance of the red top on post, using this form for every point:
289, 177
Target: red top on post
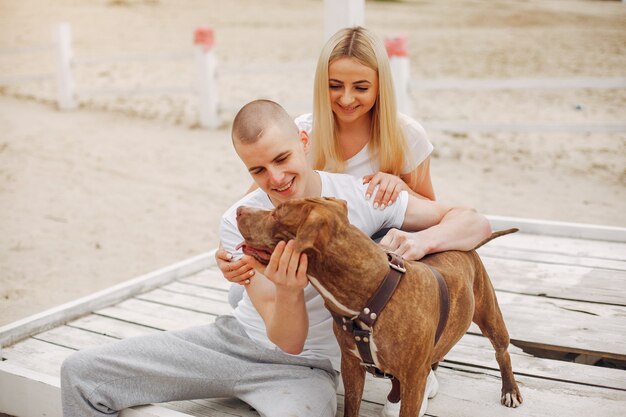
204, 36
397, 45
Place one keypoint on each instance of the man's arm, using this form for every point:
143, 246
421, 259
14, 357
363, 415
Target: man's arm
277, 291
436, 227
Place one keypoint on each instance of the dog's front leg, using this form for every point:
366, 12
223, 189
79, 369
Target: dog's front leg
353, 376
412, 390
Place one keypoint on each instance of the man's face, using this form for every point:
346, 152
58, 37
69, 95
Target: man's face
277, 163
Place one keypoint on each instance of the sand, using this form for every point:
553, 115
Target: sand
128, 184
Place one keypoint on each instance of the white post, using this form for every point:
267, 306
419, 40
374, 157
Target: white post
340, 14
65, 81
400, 69
207, 65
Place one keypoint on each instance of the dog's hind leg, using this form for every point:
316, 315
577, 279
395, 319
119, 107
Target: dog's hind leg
488, 317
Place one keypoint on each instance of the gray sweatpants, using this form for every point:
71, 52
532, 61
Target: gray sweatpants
217, 360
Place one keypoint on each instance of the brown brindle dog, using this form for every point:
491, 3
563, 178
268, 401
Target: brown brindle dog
346, 268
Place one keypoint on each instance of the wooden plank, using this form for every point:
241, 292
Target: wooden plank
477, 351
157, 316
472, 392
187, 302
564, 229
73, 338
562, 245
111, 327
570, 282
53, 317
198, 291
569, 326
37, 355
552, 258
27, 393
210, 277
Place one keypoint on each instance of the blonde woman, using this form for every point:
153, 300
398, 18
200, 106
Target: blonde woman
355, 126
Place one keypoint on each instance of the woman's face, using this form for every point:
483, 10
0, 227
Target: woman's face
353, 89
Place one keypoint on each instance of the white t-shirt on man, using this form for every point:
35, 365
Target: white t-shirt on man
320, 342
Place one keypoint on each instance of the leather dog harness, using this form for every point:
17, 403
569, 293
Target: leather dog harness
362, 333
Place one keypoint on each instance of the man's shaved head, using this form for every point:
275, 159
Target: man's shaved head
256, 117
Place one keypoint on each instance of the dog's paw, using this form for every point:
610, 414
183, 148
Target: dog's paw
511, 399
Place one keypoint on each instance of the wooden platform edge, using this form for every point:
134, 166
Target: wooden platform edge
560, 229
56, 316
27, 393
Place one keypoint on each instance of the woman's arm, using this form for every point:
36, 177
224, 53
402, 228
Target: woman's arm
417, 183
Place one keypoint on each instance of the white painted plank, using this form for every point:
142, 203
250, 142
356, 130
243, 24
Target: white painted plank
111, 327
571, 282
187, 302
477, 351
571, 326
73, 338
27, 393
48, 319
564, 229
156, 315
562, 245
37, 355
552, 258
198, 291
210, 277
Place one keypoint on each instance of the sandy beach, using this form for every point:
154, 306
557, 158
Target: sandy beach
127, 184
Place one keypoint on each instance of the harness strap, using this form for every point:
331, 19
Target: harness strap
444, 303
369, 314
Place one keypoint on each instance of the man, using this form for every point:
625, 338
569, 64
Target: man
277, 352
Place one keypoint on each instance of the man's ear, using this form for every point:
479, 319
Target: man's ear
315, 231
306, 142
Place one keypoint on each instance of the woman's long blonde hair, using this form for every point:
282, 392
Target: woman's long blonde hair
360, 44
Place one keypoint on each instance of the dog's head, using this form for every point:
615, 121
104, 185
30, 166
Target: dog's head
311, 222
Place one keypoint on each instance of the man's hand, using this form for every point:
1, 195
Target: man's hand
408, 245
287, 268
238, 272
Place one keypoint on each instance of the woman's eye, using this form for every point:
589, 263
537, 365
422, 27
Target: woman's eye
334, 87
362, 89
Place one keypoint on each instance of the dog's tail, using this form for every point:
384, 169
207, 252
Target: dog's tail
495, 235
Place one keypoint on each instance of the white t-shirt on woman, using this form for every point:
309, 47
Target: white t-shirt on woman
363, 164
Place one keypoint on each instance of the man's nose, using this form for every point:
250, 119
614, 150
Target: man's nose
240, 210
276, 176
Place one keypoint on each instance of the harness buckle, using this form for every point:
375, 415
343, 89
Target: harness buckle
398, 268
375, 372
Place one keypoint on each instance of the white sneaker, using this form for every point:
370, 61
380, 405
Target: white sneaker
432, 387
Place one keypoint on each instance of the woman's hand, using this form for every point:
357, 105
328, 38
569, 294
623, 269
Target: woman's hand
238, 272
389, 187
287, 268
408, 245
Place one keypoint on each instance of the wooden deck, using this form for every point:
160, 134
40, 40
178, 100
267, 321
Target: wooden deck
562, 297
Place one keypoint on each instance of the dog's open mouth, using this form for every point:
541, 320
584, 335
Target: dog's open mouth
260, 254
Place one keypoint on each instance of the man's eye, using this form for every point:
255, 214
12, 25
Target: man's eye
281, 159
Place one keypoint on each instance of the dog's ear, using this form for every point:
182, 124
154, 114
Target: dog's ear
315, 231
337, 204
